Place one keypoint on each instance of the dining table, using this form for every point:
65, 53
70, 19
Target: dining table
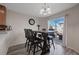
46, 45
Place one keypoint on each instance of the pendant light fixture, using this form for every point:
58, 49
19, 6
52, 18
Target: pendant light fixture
45, 10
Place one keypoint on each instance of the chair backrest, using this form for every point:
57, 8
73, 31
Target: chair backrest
51, 34
28, 34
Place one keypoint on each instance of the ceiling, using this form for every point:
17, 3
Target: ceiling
33, 9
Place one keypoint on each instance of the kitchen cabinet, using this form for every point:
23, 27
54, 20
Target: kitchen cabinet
2, 15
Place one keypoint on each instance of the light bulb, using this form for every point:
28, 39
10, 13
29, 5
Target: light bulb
41, 11
48, 9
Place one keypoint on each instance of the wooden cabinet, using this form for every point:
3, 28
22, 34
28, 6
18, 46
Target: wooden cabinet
2, 15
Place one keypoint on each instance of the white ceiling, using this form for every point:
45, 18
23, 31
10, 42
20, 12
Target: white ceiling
33, 9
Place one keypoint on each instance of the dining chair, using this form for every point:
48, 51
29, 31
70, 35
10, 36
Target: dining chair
33, 41
51, 36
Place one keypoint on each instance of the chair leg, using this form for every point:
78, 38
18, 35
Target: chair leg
53, 44
25, 43
29, 49
52, 41
34, 50
37, 47
48, 40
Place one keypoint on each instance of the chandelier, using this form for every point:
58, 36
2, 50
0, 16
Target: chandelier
45, 10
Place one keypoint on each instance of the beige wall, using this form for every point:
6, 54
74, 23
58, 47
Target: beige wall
71, 27
43, 23
19, 22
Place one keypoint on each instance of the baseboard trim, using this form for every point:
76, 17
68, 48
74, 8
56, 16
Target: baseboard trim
72, 49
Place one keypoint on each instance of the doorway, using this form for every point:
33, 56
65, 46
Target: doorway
57, 25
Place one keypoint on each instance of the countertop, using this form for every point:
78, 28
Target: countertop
4, 41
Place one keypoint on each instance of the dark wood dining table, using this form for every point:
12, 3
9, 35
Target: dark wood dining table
46, 45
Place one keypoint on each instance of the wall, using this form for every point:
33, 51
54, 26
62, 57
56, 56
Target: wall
43, 23
71, 27
19, 22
